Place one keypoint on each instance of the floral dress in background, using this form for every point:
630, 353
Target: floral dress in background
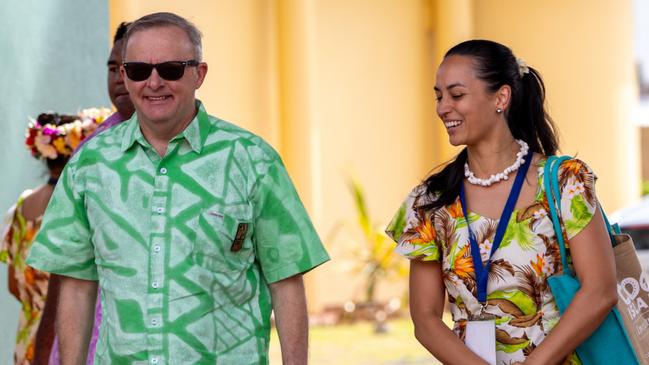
518, 293
31, 283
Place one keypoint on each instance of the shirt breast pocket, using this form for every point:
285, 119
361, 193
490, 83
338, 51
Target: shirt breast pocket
223, 242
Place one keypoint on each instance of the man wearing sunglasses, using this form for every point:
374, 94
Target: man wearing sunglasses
190, 225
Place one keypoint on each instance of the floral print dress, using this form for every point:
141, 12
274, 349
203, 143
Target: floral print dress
32, 284
518, 293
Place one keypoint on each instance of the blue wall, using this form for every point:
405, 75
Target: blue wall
52, 58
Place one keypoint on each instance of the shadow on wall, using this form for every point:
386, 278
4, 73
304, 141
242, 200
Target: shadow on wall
54, 59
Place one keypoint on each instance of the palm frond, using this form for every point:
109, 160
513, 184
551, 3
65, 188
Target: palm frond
499, 270
527, 280
375, 257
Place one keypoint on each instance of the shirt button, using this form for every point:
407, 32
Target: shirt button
154, 322
160, 210
163, 170
154, 360
155, 284
156, 248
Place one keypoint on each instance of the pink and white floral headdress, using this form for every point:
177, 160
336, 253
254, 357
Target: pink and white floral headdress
52, 135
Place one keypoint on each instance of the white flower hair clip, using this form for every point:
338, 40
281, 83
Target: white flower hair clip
522, 67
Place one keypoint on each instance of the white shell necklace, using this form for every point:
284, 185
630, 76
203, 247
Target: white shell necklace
520, 159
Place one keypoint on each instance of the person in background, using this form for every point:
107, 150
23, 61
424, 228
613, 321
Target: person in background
124, 109
493, 259
52, 138
117, 92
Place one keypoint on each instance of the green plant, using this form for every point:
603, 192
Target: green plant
645, 187
376, 258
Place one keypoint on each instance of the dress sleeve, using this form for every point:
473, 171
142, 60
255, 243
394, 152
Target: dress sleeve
413, 231
578, 199
5, 247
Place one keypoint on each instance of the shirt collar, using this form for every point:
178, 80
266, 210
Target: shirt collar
195, 133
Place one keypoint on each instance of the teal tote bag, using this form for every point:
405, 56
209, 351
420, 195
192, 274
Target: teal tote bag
609, 343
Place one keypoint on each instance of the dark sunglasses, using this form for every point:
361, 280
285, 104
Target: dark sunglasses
170, 70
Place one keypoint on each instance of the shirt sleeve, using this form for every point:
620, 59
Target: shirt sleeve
63, 245
286, 242
413, 231
578, 199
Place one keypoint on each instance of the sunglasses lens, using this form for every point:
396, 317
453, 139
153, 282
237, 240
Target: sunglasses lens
171, 71
138, 71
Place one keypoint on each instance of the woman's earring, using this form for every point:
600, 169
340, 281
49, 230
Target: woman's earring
499, 110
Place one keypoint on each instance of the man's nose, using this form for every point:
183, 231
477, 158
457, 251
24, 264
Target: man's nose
154, 81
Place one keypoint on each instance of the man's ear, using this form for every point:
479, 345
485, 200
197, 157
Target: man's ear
122, 72
201, 72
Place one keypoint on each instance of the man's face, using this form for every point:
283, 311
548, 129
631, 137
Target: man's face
116, 89
156, 100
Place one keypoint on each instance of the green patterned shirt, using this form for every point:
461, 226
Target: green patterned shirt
183, 246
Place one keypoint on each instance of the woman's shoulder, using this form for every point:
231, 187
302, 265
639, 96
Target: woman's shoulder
420, 199
11, 218
421, 196
416, 207
32, 203
571, 166
575, 167
573, 171
25, 194
578, 200
19, 202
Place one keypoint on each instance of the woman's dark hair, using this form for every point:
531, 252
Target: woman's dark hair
59, 162
496, 65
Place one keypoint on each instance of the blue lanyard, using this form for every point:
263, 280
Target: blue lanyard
482, 271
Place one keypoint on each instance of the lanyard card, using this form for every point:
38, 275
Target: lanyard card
480, 337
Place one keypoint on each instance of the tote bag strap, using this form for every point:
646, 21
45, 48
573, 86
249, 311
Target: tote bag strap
612, 229
553, 194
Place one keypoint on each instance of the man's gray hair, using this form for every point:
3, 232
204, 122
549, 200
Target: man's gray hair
165, 19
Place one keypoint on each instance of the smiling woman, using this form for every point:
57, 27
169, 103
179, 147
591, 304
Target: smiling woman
513, 97
486, 240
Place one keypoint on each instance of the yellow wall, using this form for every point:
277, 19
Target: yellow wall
584, 50
344, 88
370, 102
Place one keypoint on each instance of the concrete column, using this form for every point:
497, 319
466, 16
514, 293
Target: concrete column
584, 51
451, 22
